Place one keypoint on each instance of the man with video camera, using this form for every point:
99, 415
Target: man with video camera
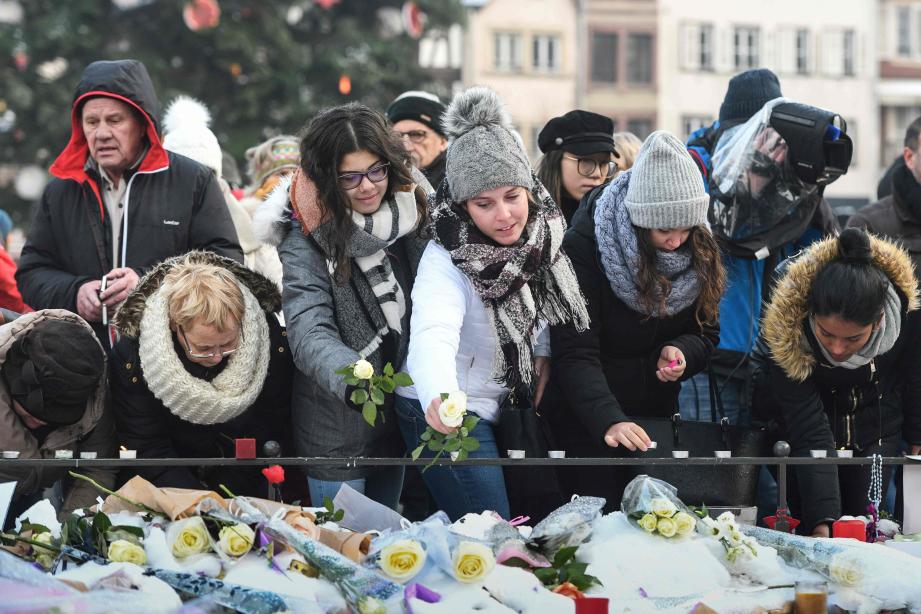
763, 164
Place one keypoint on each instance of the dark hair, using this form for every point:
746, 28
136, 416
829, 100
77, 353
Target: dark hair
911, 134
654, 287
330, 136
851, 286
550, 173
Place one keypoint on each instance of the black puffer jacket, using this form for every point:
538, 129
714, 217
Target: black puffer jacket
819, 406
606, 374
173, 205
147, 425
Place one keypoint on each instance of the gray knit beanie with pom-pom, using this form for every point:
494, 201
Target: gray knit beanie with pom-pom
485, 152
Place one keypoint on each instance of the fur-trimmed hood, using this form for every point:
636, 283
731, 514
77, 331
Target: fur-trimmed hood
271, 219
128, 317
784, 315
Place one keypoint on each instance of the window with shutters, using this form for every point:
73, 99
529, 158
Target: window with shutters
849, 44
639, 58
604, 57
903, 19
507, 51
802, 52
640, 126
705, 50
546, 53
690, 123
746, 43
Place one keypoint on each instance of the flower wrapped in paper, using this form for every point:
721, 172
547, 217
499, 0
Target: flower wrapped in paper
654, 506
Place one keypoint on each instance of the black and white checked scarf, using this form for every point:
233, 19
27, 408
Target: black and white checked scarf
523, 284
373, 234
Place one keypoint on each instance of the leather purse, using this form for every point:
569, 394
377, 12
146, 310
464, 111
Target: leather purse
727, 485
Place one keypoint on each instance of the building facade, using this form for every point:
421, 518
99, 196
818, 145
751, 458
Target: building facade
899, 86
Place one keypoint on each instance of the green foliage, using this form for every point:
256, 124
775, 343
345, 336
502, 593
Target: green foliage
331, 514
260, 71
565, 568
458, 441
371, 393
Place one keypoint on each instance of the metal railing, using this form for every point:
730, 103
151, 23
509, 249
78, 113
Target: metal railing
782, 463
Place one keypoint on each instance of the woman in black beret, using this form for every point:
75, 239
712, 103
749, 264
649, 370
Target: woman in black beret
579, 154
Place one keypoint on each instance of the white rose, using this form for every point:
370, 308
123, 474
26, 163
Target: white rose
453, 409
663, 507
684, 523
846, 570
363, 369
236, 540
187, 537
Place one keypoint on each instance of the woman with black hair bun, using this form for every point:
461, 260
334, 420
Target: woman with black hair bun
838, 366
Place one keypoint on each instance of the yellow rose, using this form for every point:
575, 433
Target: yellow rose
663, 507
45, 560
684, 523
123, 551
846, 570
42, 538
473, 562
188, 537
236, 540
452, 410
666, 527
648, 523
402, 559
363, 369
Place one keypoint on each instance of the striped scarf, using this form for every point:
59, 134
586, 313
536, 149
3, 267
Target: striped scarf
373, 234
520, 284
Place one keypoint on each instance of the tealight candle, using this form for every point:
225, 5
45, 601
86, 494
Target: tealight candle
11, 454
652, 445
87, 455
818, 453
63, 454
845, 454
679, 453
722, 453
516, 454
556, 453
126, 453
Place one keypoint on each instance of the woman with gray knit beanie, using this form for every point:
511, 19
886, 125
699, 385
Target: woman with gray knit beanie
491, 275
651, 275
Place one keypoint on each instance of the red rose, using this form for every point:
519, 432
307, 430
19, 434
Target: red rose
568, 589
274, 474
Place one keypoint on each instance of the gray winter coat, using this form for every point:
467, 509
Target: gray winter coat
324, 424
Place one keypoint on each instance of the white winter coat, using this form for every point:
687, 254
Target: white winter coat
453, 344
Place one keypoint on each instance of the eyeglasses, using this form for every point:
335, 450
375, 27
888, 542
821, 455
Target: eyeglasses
416, 136
588, 166
188, 348
375, 174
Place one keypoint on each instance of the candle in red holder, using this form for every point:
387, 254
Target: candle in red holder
246, 447
856, 529
592, 605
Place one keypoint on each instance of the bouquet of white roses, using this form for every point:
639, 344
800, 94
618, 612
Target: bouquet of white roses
724, 529
654, 506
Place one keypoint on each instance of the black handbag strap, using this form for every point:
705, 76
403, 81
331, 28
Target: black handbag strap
716, 405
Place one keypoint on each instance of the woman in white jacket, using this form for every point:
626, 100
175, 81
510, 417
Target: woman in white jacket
493, 272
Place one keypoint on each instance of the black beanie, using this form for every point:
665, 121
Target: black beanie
747, 93
53, 370
422, 107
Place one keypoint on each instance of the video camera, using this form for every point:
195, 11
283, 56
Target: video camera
819, 149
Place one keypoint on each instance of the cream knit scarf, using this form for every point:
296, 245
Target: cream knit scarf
191, 398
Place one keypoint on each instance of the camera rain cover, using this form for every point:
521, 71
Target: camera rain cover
759, 203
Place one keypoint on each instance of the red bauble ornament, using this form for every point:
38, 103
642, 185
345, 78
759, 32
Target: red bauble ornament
201, 15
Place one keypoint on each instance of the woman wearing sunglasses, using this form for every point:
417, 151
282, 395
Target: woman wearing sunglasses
347, 233
201, 361
579, 155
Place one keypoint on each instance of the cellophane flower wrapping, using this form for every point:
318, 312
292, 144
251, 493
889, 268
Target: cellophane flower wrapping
653, 505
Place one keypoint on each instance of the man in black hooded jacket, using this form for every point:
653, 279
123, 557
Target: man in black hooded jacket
119, 203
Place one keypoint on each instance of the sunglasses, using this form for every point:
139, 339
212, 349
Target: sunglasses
416, 136
375, 174
587, 166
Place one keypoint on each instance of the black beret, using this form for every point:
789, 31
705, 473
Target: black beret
419, 106
53, 370
579, 132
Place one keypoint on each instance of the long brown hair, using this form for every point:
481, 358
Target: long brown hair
654, 287
550, 173
330, 136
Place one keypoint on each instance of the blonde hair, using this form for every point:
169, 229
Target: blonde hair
203, 294
628, 146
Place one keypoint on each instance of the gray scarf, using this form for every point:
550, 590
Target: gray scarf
620, 256
882, 339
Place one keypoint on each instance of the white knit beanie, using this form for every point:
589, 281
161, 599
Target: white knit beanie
666, 189
185, 125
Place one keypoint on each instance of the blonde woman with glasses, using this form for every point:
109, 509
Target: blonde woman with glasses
201, 361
